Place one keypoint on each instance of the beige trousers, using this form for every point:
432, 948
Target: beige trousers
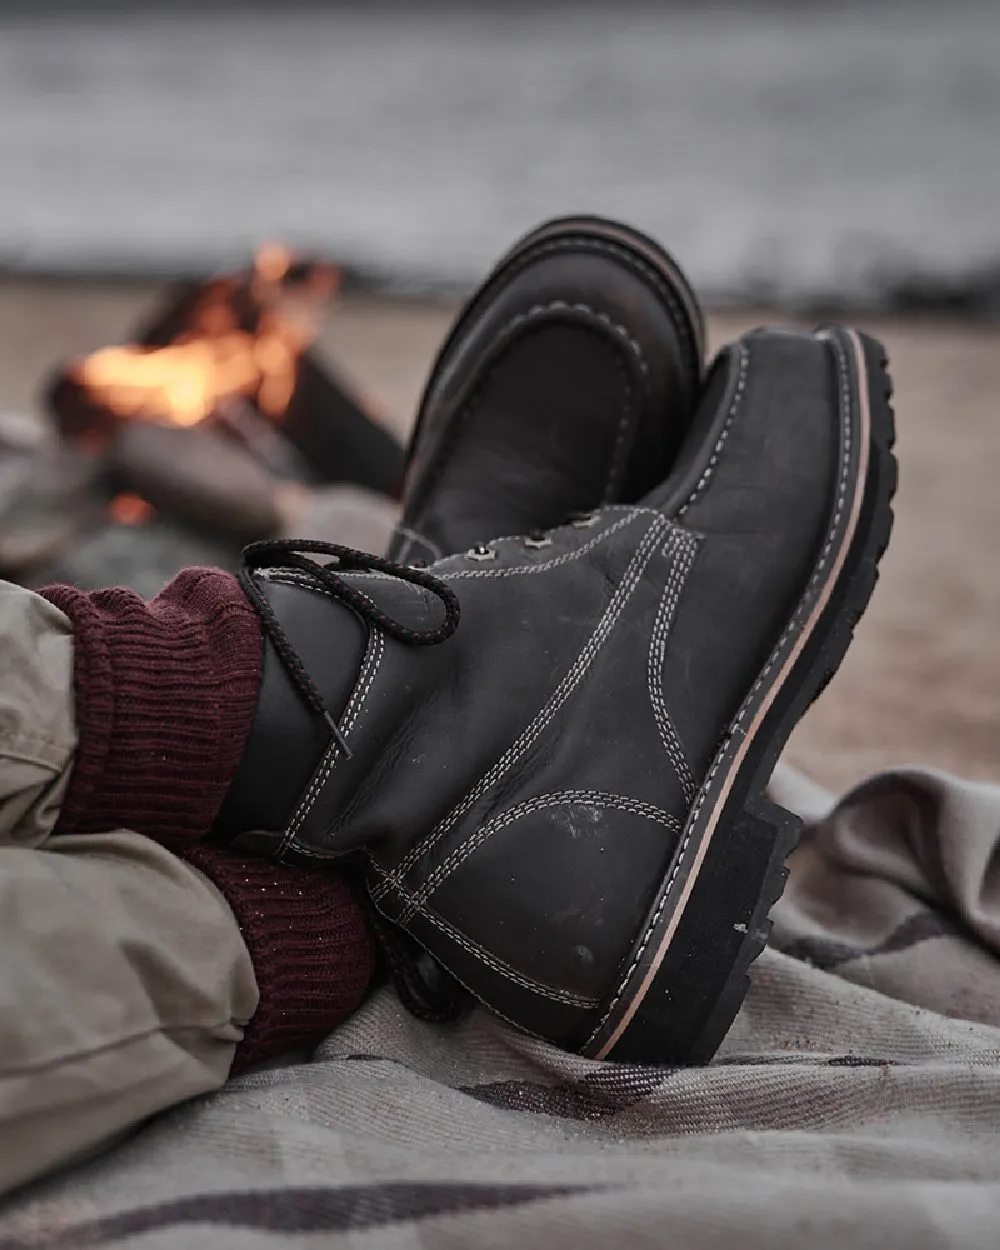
124, 981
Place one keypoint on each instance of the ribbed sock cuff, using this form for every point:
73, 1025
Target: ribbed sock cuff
165, 693
308, 942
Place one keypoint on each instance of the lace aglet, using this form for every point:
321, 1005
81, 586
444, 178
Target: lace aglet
338, 737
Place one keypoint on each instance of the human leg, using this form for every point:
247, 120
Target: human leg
131, 974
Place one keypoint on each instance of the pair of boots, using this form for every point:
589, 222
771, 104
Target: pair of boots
542, 728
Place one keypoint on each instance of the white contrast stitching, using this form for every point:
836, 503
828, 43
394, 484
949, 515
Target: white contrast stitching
616, 464
560, 798
675, 306
499, 966
357, 699
561, 305
292, 577
521, 1028
503, 969
371, 665
544, 565
414, 539
717, 449
728, 745
684, 553
628, 409
630, 580
425, 493
562, 692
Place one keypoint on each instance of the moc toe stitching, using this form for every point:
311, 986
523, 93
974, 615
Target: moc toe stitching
679, 315
514, 265
582, 272
519, 326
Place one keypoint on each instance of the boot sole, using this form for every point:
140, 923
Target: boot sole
687, 976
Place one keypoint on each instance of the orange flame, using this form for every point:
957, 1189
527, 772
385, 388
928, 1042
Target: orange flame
129, 509
216, 357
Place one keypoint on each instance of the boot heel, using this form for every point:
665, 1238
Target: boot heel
776, 832
706, 963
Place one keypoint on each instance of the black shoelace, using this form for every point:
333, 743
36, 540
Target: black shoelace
288, 553
424, 988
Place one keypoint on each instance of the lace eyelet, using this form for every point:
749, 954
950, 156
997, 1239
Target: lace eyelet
481, 552
586, 521
536, 544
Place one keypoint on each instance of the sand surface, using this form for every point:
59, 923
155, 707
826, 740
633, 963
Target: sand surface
920, 685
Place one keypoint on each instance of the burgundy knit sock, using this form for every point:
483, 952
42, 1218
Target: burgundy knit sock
165, 694
308, 942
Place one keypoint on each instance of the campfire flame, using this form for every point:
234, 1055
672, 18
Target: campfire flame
128, 509
219, 355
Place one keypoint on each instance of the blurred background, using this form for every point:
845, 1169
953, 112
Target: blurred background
800, 154
801, 160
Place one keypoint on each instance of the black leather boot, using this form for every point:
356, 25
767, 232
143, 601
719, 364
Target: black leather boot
563, 799
568, 381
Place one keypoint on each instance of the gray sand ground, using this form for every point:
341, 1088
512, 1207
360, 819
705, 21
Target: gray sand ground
922, 681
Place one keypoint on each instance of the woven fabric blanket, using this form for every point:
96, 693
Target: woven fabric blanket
855, 1103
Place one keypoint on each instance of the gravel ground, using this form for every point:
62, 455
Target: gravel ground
921, 683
